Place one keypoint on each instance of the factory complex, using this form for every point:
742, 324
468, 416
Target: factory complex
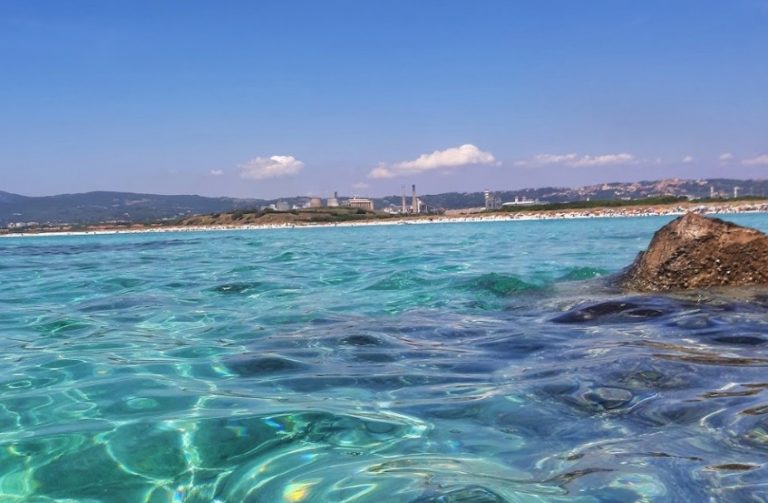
412, 205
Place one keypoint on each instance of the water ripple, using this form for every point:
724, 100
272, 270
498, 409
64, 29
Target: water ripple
448, 363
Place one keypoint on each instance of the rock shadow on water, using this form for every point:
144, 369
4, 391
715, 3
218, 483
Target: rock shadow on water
589, 398
622, 310
362, 340
649, 375
515, 346
740, 340
258, 365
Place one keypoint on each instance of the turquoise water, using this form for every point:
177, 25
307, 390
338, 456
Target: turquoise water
485, 362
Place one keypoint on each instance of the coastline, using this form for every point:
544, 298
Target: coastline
605, 212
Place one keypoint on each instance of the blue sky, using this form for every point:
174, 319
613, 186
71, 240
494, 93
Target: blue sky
278, 98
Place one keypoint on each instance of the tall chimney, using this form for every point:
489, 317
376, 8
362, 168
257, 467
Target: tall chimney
415, 203
402, 210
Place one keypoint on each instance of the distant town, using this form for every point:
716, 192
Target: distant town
18, 213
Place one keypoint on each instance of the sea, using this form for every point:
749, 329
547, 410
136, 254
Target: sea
443, 363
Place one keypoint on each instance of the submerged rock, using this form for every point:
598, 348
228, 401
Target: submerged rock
694, 251
611, 311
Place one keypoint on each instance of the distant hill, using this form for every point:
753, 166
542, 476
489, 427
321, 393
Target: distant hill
98, 207
8, 198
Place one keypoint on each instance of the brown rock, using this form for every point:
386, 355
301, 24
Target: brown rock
694, 251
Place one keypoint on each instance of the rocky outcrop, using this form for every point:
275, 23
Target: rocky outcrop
694, 251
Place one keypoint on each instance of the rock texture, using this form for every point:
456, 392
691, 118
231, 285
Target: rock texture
694, 251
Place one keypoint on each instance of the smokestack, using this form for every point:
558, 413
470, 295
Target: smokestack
415, 203
336, 195
402, 210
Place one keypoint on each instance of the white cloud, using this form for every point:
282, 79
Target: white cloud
465, 155
761, 160
688, 159
217, 172
360, 185
604, 160
554, 158
272, 167
381, 171
580, 161
727, 156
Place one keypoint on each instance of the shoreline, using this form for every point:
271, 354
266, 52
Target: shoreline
606, 212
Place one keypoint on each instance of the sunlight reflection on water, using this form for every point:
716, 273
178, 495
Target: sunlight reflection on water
414, 366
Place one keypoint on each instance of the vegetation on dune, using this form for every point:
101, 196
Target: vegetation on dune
621, 203
298, 216
582, 205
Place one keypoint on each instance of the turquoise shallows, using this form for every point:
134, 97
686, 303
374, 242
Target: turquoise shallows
479, 362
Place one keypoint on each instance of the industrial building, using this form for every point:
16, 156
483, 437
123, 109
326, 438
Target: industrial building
360, 202
280, 206
416, 206
492, 202
523, 201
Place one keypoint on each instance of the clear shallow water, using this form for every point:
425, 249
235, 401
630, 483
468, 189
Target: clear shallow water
446, 363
